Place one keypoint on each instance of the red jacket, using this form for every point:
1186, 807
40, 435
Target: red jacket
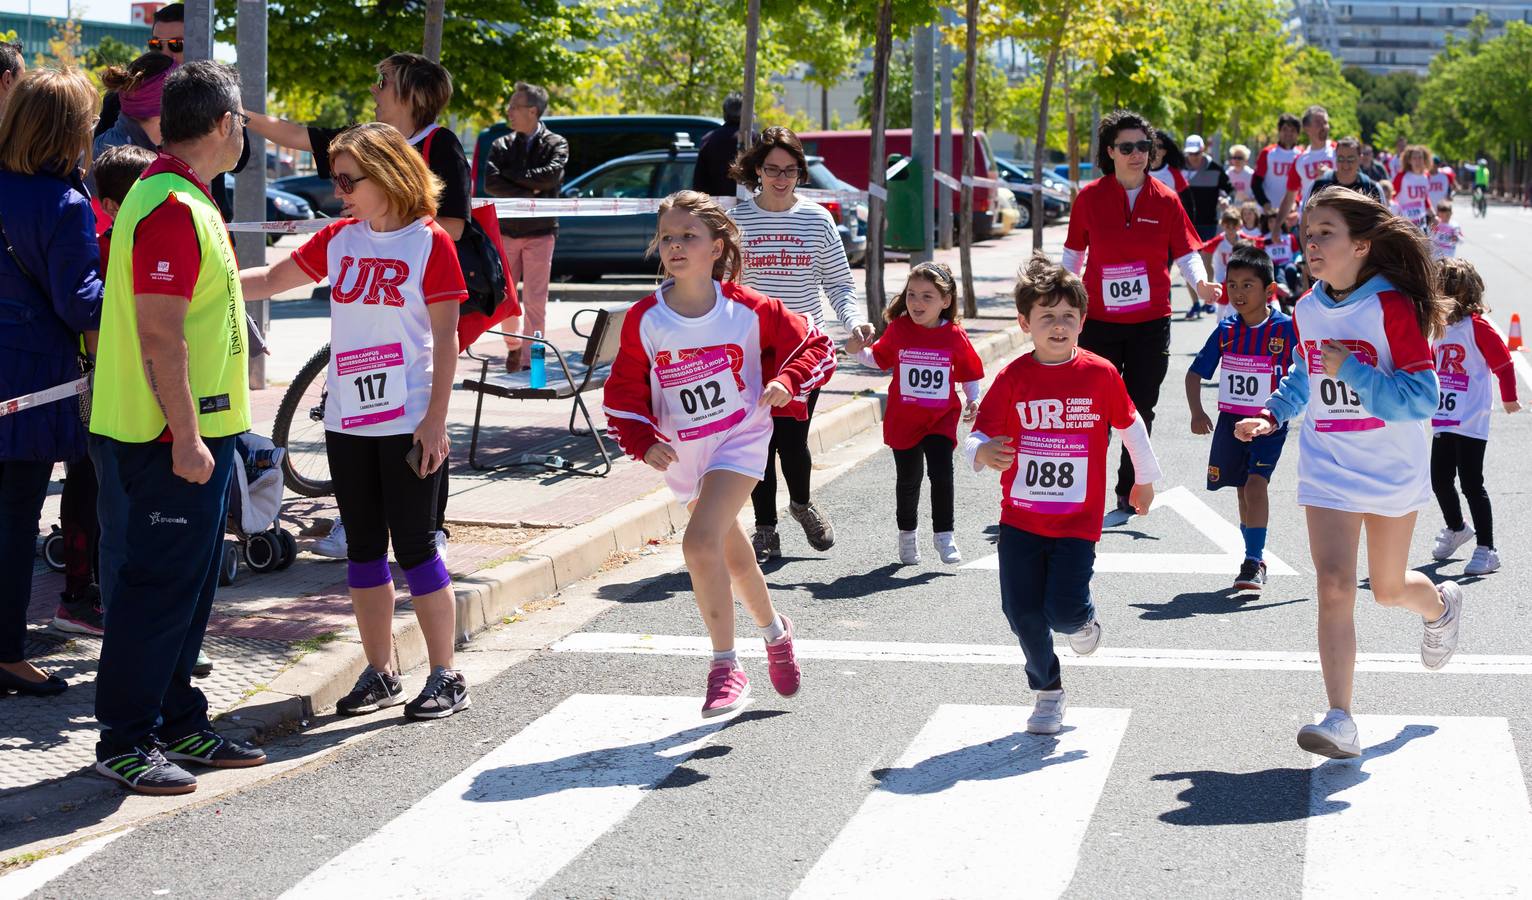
1155, 231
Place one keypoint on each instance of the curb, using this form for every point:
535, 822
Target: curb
320, 678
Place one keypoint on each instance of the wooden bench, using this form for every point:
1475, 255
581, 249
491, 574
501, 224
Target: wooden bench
569, 377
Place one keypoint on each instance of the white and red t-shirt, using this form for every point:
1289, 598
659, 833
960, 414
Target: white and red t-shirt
1125, 272
1412, 193
1442, 182
1468, 354
929, 365
1308, 167
1241, 178
1059, 418
1221, 249
684, 380
381, 344
1444, 239
1351, 459
1171, 177
1272, 166
1282, 248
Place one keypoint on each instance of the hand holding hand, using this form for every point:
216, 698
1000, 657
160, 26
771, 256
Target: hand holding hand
1209, 291
1250, 429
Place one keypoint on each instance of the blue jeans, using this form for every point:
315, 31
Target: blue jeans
23, 487
161, 544
1044, 587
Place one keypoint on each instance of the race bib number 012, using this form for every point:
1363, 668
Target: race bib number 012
925, 377
700, 395
1125, 287
371, 385
1334, 404
1052, 472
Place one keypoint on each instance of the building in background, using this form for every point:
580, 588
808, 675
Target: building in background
143, 13
1391, 36
34, 32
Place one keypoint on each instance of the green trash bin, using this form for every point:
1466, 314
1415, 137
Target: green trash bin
906, 204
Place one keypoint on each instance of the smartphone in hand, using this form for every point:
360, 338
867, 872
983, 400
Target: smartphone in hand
413, 460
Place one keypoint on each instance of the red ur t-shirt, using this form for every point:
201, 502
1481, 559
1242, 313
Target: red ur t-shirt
928, 364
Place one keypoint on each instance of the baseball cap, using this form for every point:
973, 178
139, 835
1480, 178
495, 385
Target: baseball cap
1194, 144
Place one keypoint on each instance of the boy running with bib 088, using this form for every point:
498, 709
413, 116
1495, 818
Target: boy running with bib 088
1254, 348
1044, 426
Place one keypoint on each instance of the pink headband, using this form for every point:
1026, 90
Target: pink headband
143, 102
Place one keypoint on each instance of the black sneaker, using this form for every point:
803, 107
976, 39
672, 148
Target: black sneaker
209, 748
816, 525
80, 614
1252, 576
145, 770
374, 691
444, 694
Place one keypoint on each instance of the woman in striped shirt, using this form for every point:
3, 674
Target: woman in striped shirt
792, 252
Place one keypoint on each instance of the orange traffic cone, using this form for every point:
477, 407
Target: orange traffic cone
1515, 340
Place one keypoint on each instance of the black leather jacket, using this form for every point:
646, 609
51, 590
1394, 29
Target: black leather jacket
533, 167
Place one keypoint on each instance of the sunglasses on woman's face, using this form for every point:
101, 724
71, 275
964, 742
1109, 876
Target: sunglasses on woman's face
1126, 148
164, 45
345, 183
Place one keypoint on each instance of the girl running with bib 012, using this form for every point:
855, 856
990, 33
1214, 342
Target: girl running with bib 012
395, 286
703, 365
1363, 379
1469, 354
932, 358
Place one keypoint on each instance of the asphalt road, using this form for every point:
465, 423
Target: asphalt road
900, 769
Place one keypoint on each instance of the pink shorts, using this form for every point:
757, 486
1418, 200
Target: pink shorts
741, 449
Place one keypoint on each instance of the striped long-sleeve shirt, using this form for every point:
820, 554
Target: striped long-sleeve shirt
797, 257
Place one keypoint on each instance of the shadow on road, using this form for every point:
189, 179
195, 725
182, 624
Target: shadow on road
1015, 754
1205, 603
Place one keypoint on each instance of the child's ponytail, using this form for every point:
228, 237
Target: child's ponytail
1460, 283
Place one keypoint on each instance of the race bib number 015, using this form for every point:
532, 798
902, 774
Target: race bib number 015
371, 385
1125, 287
1052, 472
925, 377
700, 395
1334, 404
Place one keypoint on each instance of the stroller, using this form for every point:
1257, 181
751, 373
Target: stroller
255, 501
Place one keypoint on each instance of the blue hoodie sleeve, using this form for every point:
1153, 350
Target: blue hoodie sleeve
73, 270
1392, 396
1292, 394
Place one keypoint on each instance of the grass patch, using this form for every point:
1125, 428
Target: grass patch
309, 645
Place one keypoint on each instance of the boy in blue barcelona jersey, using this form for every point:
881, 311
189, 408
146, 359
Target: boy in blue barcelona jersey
1254, 348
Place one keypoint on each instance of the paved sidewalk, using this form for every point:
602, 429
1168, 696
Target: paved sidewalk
265, 624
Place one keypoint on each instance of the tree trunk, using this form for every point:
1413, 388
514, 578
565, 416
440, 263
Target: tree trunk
1042, 134
965, 207
747, 96
436, 16
877, 166
824, 108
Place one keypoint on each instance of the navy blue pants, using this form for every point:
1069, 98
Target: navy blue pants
1044, 587
23, 487
161, 544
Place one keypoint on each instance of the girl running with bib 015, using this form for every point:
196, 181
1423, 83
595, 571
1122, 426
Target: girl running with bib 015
1364, 381
395, 286
931, 357
703, 364
1469, 354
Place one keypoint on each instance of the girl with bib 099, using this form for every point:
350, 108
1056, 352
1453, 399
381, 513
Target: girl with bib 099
1363, 378
394, 295
702, 366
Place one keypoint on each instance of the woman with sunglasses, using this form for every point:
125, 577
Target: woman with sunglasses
792, 252
1130, 223
395, 286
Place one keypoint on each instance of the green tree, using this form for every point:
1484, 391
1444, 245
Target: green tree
316, 46
110, 52
1383, 97
1317, 79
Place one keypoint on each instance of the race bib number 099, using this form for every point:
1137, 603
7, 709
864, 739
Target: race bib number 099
925, 377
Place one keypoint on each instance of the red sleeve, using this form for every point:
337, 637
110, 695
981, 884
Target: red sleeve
1121, 405
1398, 183
1260, 161
1179, 179
1212, 243
1078, 237
884, 351
966, 364
1409, 348
1452, 178
1183, 239
804, 355
167, 256
1496, 356
443, 278
313, 256
1294, 183
626, 397
997, 409
104, 240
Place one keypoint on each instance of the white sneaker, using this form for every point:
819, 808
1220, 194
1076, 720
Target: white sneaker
1440, 639
947, 548
909, 549
441, 546
1485, 560
1335, 737
1047, 713
333, 544
1447, 541
1085, 641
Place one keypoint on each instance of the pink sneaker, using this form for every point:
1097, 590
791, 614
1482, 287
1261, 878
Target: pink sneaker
781, 664
727, 688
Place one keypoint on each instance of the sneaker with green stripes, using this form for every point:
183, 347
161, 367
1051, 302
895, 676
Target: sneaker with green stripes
145, 770
209, 748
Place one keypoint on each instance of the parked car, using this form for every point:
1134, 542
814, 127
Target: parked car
1020, 178
597, 245
281, 206
1087, 171
847, 152
318, 192
1008, 213
594, 140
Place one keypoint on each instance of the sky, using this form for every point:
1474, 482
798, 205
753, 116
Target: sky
100, 11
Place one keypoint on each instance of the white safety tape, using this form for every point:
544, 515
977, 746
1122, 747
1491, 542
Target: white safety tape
975, 181
39, 398
947, 181
877, 192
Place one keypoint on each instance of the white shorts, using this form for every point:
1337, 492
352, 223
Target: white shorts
742, 449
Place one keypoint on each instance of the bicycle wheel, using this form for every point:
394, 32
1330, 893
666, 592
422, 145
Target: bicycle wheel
299, 429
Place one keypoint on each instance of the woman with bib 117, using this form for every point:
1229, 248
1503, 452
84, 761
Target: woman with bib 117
395, 290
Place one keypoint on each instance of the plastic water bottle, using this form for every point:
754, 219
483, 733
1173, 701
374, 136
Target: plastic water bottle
539, 369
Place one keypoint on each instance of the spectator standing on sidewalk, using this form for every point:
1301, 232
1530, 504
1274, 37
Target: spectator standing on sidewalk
717, 152
51, 285
139, 87
528, 162
12, 66
168, 36
172, 395
792, 253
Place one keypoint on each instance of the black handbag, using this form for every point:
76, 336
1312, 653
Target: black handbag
483, 274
